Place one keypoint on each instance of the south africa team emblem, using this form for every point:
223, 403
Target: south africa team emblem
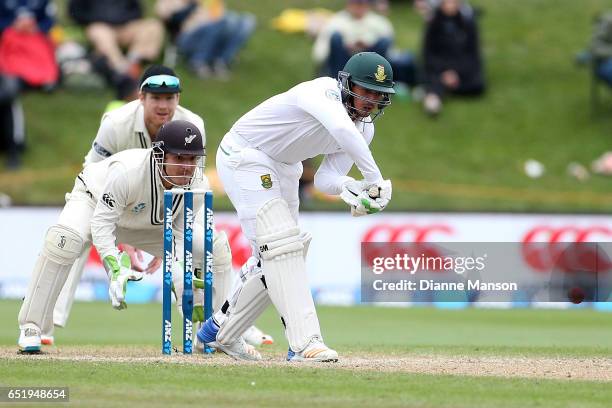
380, 74
266, 181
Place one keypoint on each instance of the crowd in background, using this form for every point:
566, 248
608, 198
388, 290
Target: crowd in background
26, 61
119, 40
601, 47
451, 61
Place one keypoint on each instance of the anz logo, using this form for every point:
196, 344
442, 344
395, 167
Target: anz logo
188, 262
168, 269
209, 218
167, 331
168, 224
189, 224
188, 328
209, 263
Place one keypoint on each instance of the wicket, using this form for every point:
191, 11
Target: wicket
187, 266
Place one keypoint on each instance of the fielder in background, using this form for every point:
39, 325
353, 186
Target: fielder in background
132, 126
259, 163
120, 199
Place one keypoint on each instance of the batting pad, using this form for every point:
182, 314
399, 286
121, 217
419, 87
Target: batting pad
66, 296
282, 251
248, 302
222, 269
62, 247
306, 239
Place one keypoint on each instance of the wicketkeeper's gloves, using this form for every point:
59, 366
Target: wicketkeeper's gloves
119, 269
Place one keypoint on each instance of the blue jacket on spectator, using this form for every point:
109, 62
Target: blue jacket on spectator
42, 10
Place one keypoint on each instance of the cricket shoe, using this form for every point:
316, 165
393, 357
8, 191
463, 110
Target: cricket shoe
256, 337
316, 350
29, 340
238, 350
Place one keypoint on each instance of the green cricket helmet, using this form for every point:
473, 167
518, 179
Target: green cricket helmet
370, 71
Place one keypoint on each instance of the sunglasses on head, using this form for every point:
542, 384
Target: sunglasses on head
158, 81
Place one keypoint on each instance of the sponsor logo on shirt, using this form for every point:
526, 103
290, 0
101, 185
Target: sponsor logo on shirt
109, 200
101, 150
138, 208
332, 94
266, 181
380, 74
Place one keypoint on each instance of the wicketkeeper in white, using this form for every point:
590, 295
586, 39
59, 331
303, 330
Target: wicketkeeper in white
120, 199
135, 125
259, 163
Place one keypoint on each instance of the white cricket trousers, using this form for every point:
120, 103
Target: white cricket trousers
246, 174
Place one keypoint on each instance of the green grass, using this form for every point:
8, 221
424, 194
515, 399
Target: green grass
153, 385
469, 159
357, 330
580, 332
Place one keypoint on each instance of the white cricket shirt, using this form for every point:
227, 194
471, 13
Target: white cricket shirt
309, 120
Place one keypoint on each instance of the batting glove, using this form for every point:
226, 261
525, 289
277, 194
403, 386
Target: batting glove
381, 192
355, 193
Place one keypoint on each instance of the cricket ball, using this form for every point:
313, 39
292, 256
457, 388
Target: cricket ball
576, 295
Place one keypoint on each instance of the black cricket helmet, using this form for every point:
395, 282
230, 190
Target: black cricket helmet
179, 137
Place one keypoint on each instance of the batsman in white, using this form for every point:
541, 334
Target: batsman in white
259, 163
120, 199
135, 125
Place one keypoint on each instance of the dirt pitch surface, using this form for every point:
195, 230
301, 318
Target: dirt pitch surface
571, 368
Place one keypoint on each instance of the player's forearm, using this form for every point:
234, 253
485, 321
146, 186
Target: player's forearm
108, 212
329, 183
103, 228
358, 151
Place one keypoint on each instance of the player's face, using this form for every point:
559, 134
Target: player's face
358, 8
450, 7
180, 168
369, 101
158, 108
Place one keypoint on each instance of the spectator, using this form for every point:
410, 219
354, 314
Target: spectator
110, 27
451, 53
12, 126
601, 47
355, 29
381, 7
26, 60
427, 8
207, 34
